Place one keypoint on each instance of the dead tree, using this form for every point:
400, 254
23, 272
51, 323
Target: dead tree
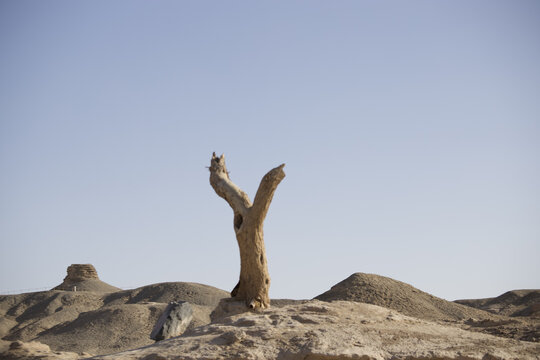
248, 221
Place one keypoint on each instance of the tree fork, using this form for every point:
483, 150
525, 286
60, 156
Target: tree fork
248, 221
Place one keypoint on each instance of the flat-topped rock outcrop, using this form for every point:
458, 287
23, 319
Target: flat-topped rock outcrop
80, 272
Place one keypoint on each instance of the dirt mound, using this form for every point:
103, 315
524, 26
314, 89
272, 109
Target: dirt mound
193, 293
88, 285
393, 294
84, 277
337, 330
106, 330
511, 303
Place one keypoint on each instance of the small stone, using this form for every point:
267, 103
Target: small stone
173, 322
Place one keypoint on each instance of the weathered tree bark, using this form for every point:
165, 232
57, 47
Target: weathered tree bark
248, 225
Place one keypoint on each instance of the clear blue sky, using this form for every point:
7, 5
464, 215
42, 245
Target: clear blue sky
410, 130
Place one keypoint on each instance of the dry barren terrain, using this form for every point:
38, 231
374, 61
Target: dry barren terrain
365, 316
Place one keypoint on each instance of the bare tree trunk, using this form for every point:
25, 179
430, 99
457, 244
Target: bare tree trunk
248, 225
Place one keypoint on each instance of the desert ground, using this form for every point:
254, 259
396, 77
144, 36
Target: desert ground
365, 316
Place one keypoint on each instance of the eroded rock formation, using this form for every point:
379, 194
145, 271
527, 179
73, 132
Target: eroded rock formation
84, 277
80, 272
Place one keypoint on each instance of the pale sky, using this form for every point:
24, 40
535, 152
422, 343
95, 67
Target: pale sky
410, 132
